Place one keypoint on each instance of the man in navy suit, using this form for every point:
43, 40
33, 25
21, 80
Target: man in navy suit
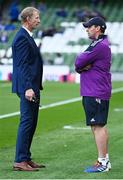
27, 83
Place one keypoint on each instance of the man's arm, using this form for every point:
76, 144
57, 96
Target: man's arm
86, 68
22, 62
88, 57
23, 59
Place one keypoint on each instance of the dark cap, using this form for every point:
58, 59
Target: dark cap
98, 21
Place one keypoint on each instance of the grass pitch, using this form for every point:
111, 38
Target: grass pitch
65, 152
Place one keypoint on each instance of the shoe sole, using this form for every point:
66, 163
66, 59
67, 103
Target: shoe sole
20, 169
106, 170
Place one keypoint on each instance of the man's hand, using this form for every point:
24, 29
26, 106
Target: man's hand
86, 68
29, 94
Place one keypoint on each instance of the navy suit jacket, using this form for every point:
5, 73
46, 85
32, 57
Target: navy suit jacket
27, 64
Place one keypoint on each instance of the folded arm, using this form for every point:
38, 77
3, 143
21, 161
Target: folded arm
85, 60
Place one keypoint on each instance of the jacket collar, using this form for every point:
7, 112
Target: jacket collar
30, 33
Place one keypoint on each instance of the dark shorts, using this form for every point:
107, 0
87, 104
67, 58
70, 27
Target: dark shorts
96, 110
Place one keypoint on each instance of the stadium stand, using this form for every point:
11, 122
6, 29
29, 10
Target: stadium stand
65, 35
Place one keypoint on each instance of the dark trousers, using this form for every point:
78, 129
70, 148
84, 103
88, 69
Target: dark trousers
28, 122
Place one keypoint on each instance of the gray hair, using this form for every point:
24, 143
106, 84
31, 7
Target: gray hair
27, 12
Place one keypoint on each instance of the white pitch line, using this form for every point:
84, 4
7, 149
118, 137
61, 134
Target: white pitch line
57, 104
76, 128
117, 90
118, 109
9, 115
44, 107
61, 103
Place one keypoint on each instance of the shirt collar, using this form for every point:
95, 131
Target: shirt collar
102, 36
30, 33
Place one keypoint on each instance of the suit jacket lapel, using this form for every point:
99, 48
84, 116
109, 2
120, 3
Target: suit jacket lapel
30, 38
33, 41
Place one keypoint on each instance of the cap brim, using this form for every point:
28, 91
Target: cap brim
86, 24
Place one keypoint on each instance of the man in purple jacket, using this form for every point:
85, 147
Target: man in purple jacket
93, 65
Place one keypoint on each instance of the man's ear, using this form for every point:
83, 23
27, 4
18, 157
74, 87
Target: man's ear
98, 28
27, 18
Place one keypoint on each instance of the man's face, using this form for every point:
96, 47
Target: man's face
34, 21
92, 31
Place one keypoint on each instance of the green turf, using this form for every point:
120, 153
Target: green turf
65, 152
53, 92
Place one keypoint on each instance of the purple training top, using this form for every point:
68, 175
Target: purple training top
95, 82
